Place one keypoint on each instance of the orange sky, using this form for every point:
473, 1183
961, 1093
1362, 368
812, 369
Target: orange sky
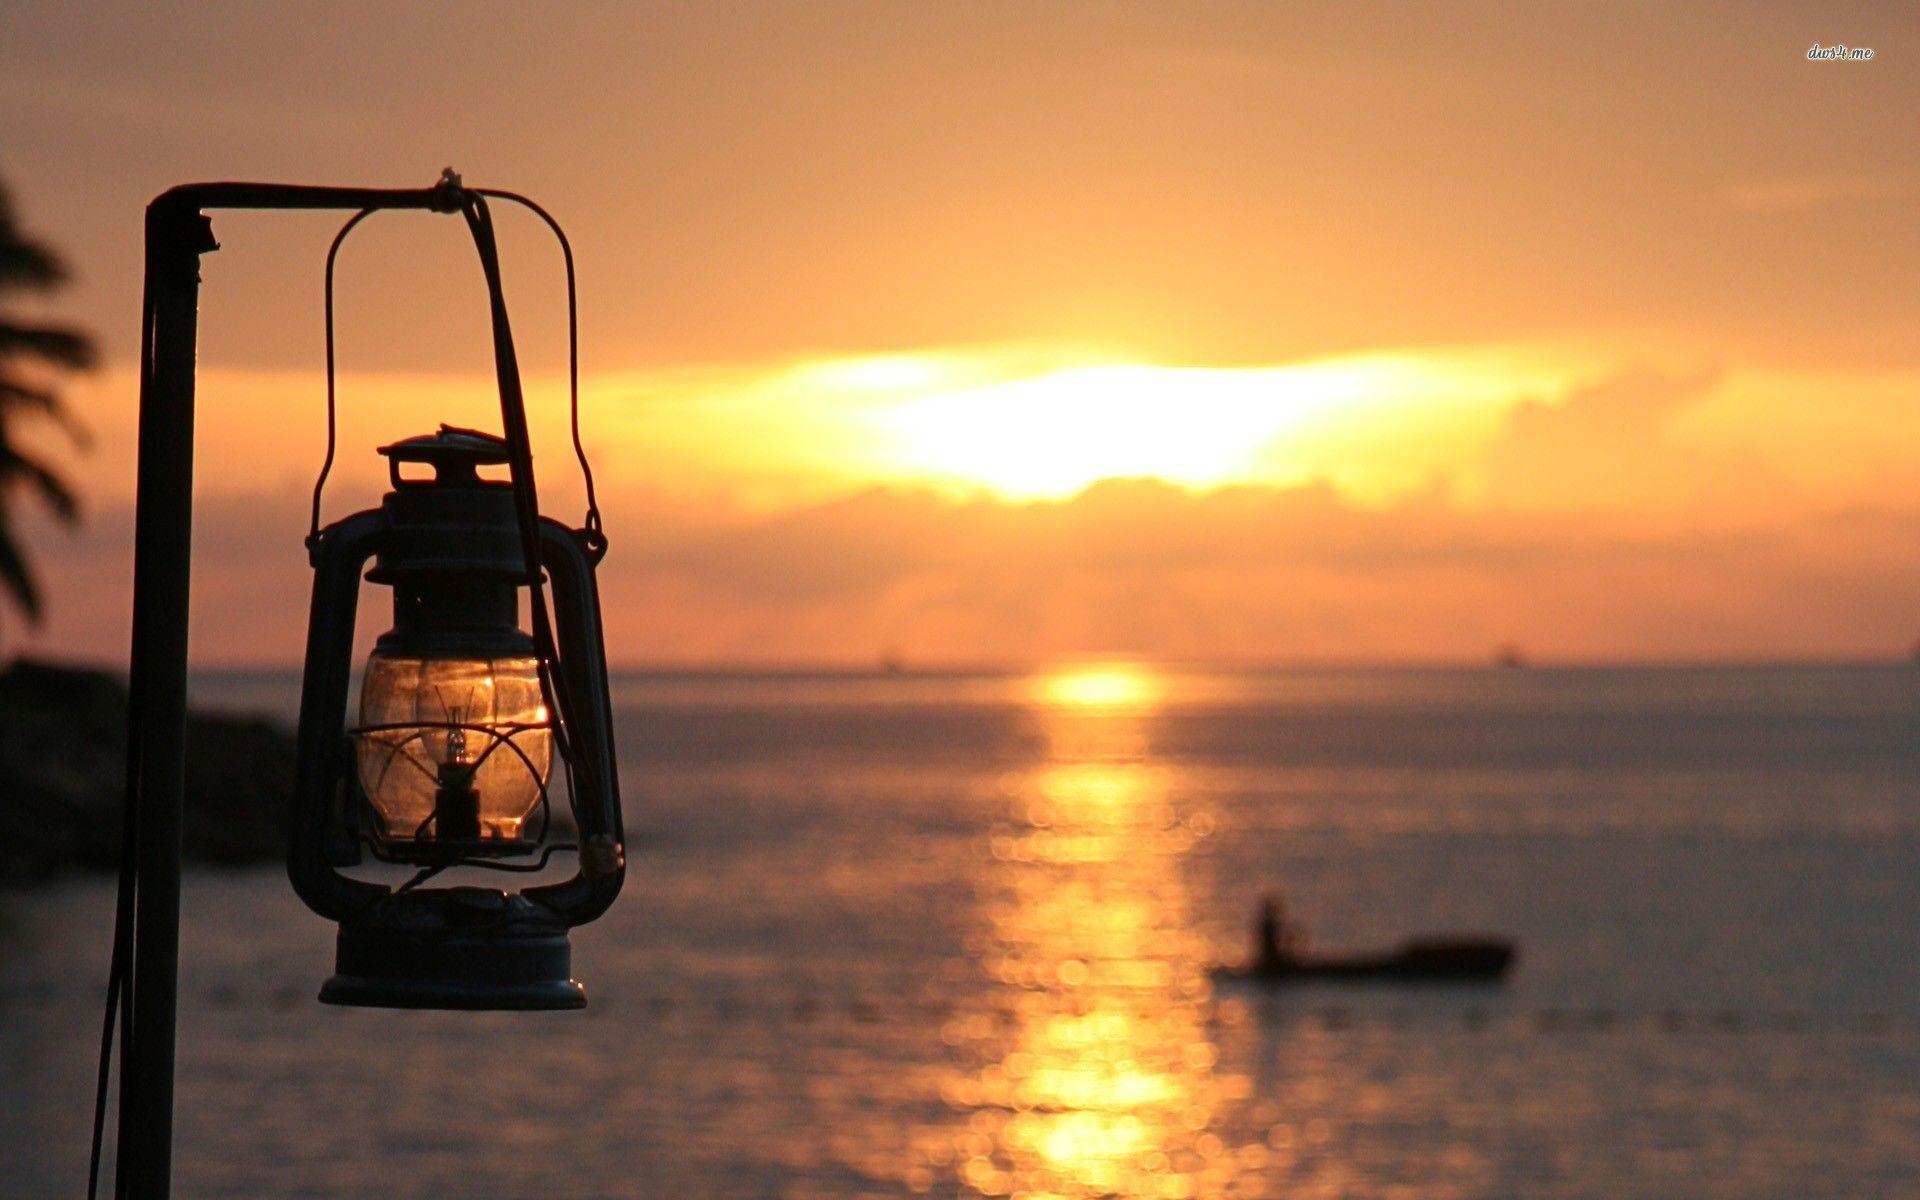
1004, 332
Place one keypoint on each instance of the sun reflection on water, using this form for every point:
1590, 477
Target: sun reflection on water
1089, 1070
1098, 687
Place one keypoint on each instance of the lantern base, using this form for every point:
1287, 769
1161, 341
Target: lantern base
507, 969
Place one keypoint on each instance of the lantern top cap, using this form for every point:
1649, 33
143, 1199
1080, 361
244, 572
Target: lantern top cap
453, 453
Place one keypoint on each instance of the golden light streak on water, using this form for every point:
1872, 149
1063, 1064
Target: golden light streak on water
1090, 1070
1100, 686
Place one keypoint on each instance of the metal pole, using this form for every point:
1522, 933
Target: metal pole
177, 233
157, 711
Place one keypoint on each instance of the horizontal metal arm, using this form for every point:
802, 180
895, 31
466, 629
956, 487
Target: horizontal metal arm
178, 230
445, 196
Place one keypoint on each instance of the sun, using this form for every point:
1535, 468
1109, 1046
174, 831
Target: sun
1037, 423
1053, 434
1050, 434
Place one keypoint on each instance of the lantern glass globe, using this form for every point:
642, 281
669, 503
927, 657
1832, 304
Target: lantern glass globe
452, 749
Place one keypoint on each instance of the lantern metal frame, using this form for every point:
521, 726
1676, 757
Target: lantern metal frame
144, 980
460, 947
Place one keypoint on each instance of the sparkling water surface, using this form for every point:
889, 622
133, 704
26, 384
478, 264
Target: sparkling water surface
949, 934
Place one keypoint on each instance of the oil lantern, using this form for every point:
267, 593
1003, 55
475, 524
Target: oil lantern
463, 729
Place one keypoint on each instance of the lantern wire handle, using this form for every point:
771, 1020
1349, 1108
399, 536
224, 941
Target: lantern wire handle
596, 537
326, 465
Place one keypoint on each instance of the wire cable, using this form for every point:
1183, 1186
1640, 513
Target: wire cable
119, 1003
513, 418
573, 345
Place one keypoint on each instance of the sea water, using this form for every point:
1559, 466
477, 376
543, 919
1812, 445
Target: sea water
949, 934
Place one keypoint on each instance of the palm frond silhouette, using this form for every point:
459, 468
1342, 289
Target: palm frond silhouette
35, 359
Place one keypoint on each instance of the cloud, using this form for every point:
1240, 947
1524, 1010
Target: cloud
1125, 567
1141, 567
1598, 525
1615, 445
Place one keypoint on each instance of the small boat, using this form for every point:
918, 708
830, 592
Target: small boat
1418, 960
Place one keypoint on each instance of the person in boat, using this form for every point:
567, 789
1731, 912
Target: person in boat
1277, 941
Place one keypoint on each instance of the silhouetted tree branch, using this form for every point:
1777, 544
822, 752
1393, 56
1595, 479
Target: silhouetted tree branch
35, 358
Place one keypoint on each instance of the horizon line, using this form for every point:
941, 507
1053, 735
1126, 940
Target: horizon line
932, 668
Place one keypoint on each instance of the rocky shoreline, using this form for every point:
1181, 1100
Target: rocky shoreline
63, 750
